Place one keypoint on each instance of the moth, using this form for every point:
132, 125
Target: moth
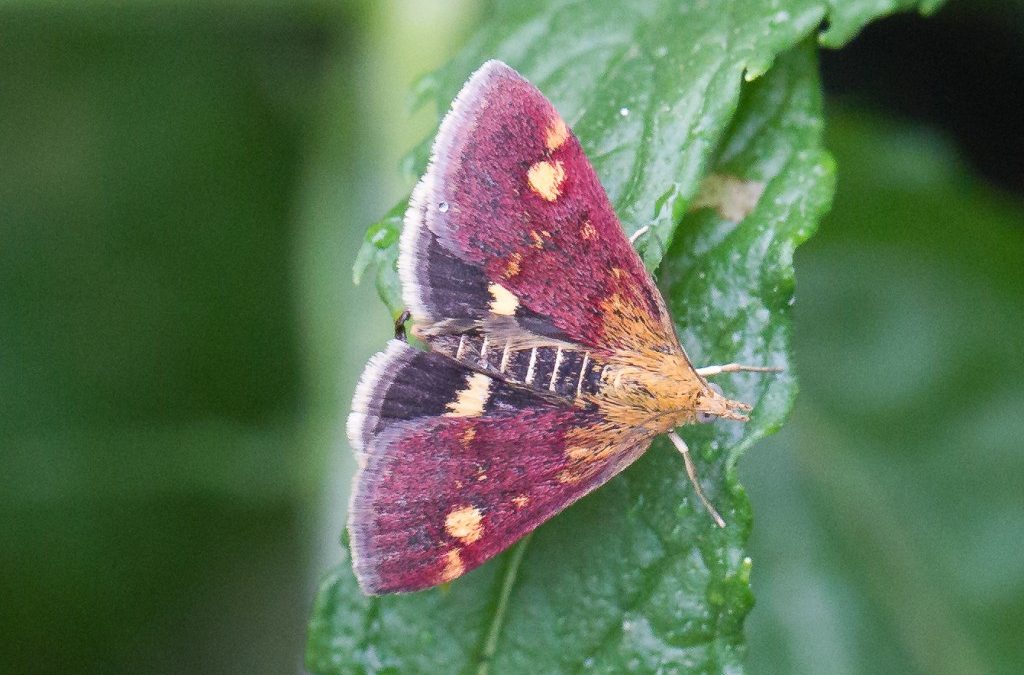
552, 360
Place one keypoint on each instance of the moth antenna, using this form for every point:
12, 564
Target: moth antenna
691, 471
708, 371
400, 325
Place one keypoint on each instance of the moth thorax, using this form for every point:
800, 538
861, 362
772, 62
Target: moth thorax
662, 390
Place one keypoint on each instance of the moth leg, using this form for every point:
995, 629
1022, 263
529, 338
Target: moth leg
400, 325
708, 371
691, 471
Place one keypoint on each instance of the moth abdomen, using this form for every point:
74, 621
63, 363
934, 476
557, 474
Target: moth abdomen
553, 370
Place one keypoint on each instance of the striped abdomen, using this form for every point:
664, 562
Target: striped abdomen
571, 373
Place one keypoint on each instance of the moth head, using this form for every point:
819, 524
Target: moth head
712, 404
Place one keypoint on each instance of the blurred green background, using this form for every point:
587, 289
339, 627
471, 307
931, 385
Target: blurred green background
183, 188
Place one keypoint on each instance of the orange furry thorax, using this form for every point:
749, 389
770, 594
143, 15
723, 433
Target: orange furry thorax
651, 389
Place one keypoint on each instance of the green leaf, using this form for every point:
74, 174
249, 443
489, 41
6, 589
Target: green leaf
380, 248
636, 576
667, 588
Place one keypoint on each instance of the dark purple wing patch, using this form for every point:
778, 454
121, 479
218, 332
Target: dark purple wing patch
510, 199
402, 383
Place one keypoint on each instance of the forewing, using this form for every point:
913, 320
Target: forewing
510, 220
454, 468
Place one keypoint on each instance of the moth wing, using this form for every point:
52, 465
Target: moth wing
450, 477
510, 220
440, 496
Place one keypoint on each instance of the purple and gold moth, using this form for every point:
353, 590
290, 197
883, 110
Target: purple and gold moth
552, 359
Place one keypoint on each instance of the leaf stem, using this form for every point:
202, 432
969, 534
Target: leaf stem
498, 622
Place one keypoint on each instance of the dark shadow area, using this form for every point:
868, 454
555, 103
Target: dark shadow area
961, 70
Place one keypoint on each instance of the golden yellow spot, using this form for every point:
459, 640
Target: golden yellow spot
468, 435
520, 501
556, 134
537, 241
546, 179
515, 262
588, 230
617, 272
578, 453
472, 400
453, 566
482, 477
504, 301
465, 524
